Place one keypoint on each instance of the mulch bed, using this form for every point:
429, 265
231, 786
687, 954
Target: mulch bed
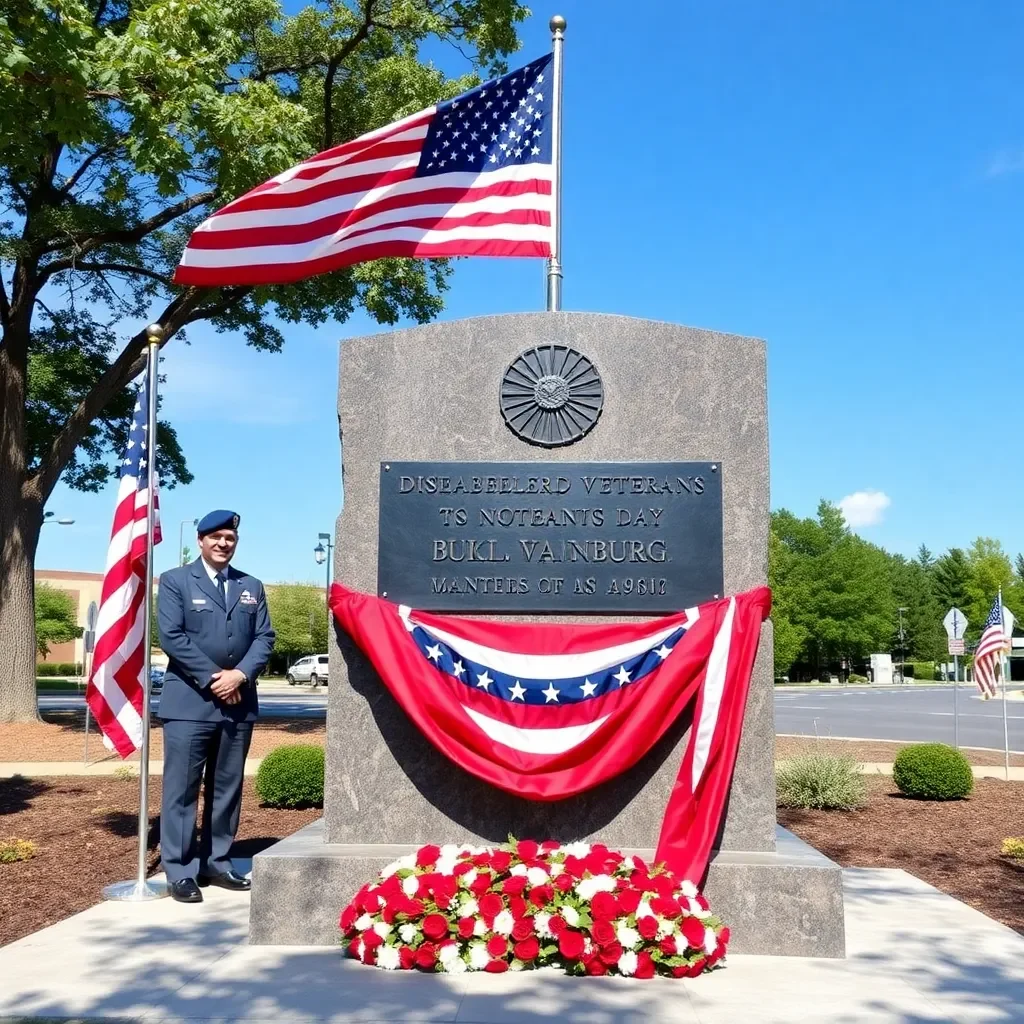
953, 845
85, 829
875, 751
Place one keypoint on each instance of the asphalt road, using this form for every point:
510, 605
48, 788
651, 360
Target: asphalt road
898, 713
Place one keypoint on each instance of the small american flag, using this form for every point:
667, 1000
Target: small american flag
468, 177
115, 690
991, 648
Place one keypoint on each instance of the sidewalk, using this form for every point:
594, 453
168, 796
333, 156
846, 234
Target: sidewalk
914, 955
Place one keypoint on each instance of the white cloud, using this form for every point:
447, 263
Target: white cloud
1007, 161
864, 508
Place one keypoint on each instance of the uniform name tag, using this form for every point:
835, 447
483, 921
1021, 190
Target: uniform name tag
199, 600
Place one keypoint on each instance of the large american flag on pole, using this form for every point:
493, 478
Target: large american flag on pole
468, 177
115, 693
991, 648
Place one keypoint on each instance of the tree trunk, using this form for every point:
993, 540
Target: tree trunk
19, 535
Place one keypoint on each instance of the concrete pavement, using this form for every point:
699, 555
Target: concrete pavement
915, 955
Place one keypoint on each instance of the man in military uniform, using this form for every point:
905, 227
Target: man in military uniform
215, 630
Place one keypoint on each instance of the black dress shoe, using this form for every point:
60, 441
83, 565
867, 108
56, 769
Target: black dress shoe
227, 880
186, 891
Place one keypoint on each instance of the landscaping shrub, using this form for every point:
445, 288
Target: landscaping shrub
12, 850
56, 668
921, 670
853, 677
820, 782
292, 777
1014, 847
932, 771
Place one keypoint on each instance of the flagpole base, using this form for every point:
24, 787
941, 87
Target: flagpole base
135, 892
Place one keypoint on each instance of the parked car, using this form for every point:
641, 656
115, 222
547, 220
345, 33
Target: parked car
311, 669
156, 679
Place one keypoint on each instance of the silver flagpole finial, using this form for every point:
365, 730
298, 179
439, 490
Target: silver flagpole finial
557, 23
554, 269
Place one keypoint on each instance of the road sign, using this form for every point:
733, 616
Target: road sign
90, 617
89, 639
956, 646
955, 623
1008, 621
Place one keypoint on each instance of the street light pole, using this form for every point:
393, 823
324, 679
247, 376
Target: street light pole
323, 556
63, 521
903, 658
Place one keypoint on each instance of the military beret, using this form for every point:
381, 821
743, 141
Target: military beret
219, 519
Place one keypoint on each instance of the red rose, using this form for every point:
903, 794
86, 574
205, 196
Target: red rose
466, 925
388, 913
563, 883
640, 880
724, 936
491, 905
665, 906
522, 929
696, 969
701, 902
444, 890
371, 940
604, 907
427, 856
557, 925
681, 971
644, 966
497, 967
391, 886
717, 955
369, 957
541, 896
573, 866
570, 944
513, 885
610, 954
595, 863
517, 906
668, 946
462, 868
693, 932
602, 931
647, 926
406, 958
501, 861
550, 844
412, 908
481, 883
527, 849
369, 902
435, 926
426, 956
662, 885
348, 918
640, 863
352, 948
596, 967
527, 950
497, 945
629, 900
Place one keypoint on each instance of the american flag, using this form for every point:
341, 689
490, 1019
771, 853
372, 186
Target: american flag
115, 690
468, 177
991, 648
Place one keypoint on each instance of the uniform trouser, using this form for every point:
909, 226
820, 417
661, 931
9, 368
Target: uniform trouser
189, 747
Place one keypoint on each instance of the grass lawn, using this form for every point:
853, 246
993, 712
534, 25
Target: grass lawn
51, 683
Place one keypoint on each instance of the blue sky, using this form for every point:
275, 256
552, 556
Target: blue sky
845, 180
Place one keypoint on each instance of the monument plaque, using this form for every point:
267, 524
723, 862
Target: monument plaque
619, 538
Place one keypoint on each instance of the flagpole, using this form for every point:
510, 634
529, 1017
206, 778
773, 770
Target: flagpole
143, 889
557, 26
1002, 674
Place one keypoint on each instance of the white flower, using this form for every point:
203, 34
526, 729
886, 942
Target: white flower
644, 910
628, 865
407, 932
469, 908
710, 940
687, 888
557, 869
504, 923
629, 937
479, 928
518, 869
445, 865
469, 877
383, 929
448, 953
449, 850
572, 918
388, 871
697, 910
540, 922
408, 861
627, 963
364, 922
576, 849
410, 885
479, 958
387, 957
588, 946
536, 876
456, 966
665, 928
588, 887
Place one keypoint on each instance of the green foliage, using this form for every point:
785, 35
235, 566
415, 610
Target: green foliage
299, 615
951, 577
125, 773
1013, 847
57, 668
932, 771
292, 777
921, 670
12, 850
821, 782
56, 618
854, 677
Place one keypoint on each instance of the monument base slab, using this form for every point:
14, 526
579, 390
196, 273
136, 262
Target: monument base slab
785, 903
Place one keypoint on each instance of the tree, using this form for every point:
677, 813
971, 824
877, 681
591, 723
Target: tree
989, 570
950, 579
1018, 568
186, 555
789, 638
298, 613
925, 559
123, 124
56, 618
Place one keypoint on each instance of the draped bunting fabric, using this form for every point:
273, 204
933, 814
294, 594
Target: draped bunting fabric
545, 711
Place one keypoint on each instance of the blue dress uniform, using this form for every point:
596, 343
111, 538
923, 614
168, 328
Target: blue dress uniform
202, 632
